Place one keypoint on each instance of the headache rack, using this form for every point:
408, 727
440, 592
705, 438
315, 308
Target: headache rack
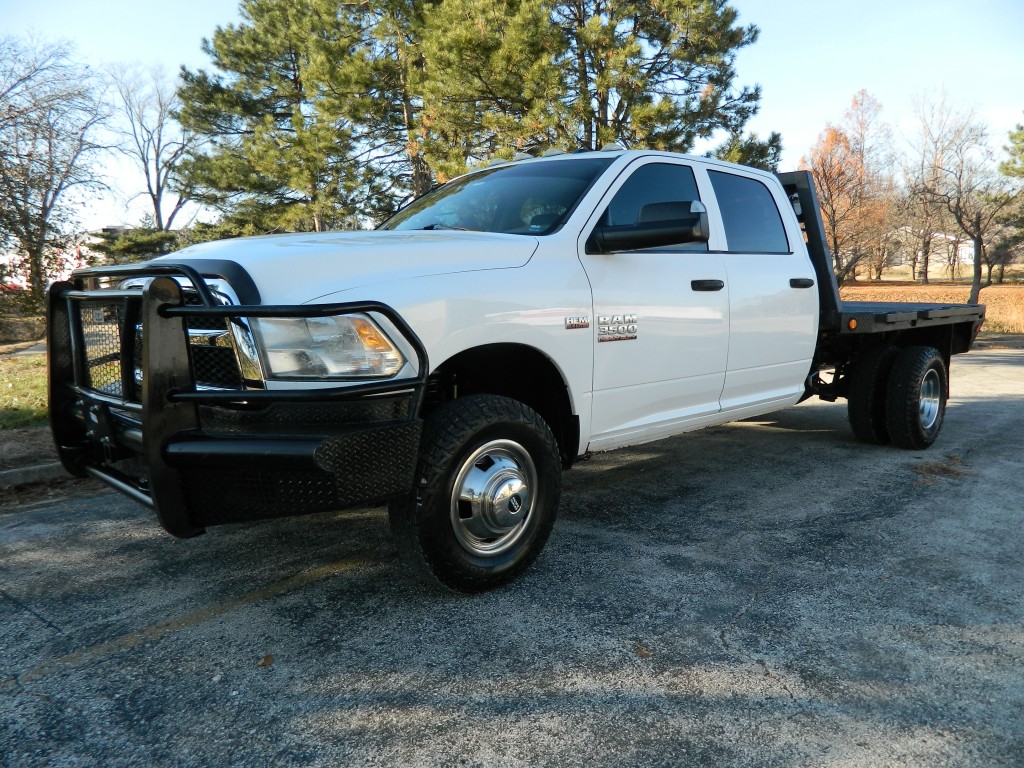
129, 369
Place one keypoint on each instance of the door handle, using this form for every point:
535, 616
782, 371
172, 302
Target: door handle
707, 285
801, 282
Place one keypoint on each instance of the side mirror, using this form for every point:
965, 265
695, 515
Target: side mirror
659, 224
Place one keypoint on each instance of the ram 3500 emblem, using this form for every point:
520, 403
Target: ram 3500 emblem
616, 327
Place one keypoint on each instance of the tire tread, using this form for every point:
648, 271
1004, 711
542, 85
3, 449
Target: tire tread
445, 431
866, 398
902, 405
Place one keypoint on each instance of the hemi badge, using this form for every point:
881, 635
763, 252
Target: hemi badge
577, 322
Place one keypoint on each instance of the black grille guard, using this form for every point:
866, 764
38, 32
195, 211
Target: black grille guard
169, 397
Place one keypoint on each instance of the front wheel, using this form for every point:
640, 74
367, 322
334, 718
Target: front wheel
487, 490
915, 403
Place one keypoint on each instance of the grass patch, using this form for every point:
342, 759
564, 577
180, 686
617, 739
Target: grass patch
23, 392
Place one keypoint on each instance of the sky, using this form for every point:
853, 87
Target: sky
814, 55
811, 58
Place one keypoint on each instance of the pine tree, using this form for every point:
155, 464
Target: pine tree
1014, 165
650, 73
490, 87
752, 150
124, 246
320, 113
278, 155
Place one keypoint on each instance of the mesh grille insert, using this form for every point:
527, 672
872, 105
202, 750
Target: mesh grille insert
101, 332
216, 366
214, 363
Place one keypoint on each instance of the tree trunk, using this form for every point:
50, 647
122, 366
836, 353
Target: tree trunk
158, 215
37, 263
976, 281
602, 119
583, 94
36, 276
422, 180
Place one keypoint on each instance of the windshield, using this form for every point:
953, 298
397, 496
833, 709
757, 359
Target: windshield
522, 199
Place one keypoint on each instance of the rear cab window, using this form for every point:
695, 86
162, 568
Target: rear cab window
749, 214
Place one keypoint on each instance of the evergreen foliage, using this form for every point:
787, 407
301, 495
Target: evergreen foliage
125, 246
650, 73
280, 155
319, 114
491, 87
1014, 165
751, 150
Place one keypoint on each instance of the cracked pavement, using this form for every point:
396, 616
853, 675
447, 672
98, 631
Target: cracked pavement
764, 593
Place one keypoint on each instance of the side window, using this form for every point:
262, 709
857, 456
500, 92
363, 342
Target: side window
650, 184
749, 214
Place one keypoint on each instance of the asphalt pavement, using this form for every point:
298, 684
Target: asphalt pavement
764, 593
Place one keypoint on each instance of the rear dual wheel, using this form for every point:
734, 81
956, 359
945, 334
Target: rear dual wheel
915, 403
898, 396
867, 394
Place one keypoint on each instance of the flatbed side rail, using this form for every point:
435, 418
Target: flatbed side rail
868, 317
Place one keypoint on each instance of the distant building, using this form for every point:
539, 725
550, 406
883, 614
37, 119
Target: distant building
948, 252
14, 267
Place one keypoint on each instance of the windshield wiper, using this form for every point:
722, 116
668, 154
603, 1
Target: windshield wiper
443, 226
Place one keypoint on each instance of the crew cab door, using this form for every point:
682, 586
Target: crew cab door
661, 315
773, 300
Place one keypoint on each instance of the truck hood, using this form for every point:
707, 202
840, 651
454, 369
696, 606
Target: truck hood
296, 269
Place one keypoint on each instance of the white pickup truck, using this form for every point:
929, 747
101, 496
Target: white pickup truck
454, 361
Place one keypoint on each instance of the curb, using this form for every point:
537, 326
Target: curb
40, 473
23, 348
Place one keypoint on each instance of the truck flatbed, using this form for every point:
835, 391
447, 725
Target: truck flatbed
871, 317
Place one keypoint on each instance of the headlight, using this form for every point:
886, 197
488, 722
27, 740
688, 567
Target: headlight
325, 347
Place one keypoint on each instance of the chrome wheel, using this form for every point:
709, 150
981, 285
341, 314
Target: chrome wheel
486, 494
493, 497
931, 399
915, 401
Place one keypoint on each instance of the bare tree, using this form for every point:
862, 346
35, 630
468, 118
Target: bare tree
930, 153
963, 179
153, 139
836, 179
871, 142
850, 164
21, 67
51, 110
1006, 249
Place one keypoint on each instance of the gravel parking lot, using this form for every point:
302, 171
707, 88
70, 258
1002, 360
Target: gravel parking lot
766, 593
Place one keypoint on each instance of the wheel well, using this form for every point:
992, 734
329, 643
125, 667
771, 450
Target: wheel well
512, 370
